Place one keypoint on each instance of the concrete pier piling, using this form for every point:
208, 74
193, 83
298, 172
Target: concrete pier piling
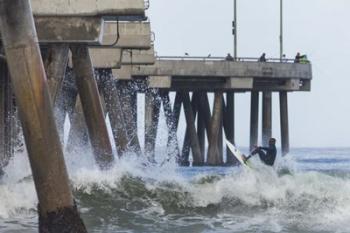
229, 125
152, 108
214, 153
78, 136
7, 117
190, 109
55, 65
116, 115
92, 107
172, 143
57, 211
266, 118
254, 119
284, 122
201, 128
128, 100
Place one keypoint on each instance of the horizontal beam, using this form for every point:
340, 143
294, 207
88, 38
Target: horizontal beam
88, 7
69, 29
103, 58
138, 57
186, 68
132, 35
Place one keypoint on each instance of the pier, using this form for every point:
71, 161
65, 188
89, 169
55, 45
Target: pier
91, 59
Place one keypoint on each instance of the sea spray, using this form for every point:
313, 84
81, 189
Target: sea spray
142, 197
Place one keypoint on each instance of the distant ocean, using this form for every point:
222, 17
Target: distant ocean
308, 191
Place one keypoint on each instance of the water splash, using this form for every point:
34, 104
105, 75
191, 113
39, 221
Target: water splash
142, 197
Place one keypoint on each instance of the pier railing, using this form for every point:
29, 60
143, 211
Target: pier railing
239, 59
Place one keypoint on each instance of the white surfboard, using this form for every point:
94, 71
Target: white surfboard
237, 154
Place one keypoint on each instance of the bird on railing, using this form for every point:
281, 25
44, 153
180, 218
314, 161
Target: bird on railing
209, 55
186, 54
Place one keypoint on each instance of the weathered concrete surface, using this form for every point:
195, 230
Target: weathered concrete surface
139, 57
56, 209
213, 75
87, 7
106, 57
188, 68
103, 58
69, 29
132, 35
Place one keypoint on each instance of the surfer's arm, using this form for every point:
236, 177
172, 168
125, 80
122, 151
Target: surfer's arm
264, 148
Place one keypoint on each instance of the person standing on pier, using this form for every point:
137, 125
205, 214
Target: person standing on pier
262, 58
229, 57
267, 154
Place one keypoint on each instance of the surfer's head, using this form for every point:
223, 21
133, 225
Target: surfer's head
272, 141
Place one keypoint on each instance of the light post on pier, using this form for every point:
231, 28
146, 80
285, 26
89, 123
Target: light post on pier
281, 29
234, 29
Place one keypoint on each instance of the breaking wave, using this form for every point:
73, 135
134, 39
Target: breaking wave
138, 197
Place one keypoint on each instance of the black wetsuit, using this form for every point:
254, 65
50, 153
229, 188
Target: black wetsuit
267, 154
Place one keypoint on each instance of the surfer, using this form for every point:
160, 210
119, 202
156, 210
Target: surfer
267, 154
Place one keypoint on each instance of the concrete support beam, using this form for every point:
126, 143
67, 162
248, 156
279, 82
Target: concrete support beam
159, 82
139, 57
128, 101
55, 66
93, 112
132, 35
152, 108
229, 125
7, 118
254, 119
88, 7
225, 69
57, 211
69, 29
106, 58
201, 127
66, 101
266, 118
78, 136
190, 115
116, 116
284, 122
214, 154
124, 73
173, 144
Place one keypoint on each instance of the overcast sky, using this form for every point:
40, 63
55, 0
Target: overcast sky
320, 118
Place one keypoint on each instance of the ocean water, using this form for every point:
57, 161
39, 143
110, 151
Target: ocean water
308, 191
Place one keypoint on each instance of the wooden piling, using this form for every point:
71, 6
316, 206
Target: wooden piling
266, 118
284, 122
254, 119
215, 124
92, 107
152, 108
57, 211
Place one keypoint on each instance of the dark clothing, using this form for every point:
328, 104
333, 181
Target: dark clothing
262, 58
298, 58
266, 154
229, 58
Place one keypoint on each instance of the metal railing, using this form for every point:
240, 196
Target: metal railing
210, 58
